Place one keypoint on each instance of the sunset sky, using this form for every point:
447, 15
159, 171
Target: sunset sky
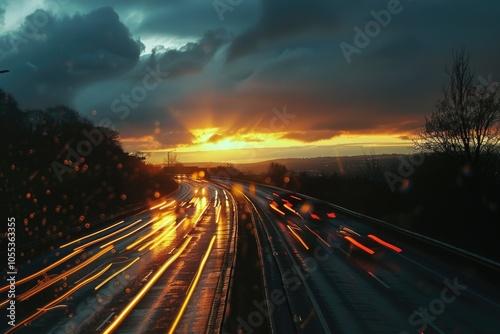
242, 81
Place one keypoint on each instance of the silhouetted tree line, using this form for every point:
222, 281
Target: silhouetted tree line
50, 209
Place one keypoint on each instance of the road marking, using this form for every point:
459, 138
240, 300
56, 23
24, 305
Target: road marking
193, 285
430, 323
378, 279
319, 237
125, 312
98, 329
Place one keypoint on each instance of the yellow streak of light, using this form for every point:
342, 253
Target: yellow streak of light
91, 235
161, 236
55, 301
109, 235
37, 289
118, 320
218, 209
44, 270
193, 287
157, 206
167, 234
141, 239
129, 233
319, 237
167, 205
298, 237
115, 274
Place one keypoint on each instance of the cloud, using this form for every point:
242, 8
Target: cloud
2, 13
282, 20
190, 58
57, 56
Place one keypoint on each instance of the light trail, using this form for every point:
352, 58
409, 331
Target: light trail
42, 310
35, 290
359, 245
44, 270
150, 234
192, 287
129, 233
385, 243
167, 205
119, 319
316, 234
109, 235
115, 274
157, 206
91, 235
298, 237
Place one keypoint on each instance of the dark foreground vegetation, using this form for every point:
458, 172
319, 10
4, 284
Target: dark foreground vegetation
60, 173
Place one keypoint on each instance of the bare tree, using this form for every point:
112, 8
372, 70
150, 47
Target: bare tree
465, 122
171, 159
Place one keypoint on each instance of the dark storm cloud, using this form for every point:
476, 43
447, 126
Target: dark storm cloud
2, 13
140, 102
283, 19
172, 18
51, 57
190, 58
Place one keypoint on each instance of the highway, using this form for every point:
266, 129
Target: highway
231, 257
164, 269
328, 272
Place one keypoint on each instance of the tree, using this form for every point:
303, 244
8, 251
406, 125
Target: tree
171, 159
465, 122
277, 173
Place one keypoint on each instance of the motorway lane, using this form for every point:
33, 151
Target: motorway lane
103, 272
387, 292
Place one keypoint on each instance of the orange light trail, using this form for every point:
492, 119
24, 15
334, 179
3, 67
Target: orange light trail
359, 245
314, 216
317, 235
167, 233
55, 301
129, 233
91, 235
116, 274
385, 243
109, 235
298, 237
61, 276
44, 270
167, 205
141, 239
295, 197
192, 287
119, 319
274, 206
157, 206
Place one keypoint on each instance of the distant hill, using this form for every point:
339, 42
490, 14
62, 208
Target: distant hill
318, 165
